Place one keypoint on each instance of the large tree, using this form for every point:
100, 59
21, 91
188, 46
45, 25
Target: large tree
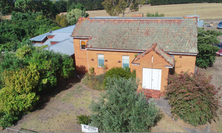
6, 6
45, 6
61, 5
74, 15
206, 41
116, 7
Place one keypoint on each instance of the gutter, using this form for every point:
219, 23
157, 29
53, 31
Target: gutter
80, 37
118, 50
180, 53
138, 51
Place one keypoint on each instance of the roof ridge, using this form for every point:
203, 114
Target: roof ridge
153, 48
140, 18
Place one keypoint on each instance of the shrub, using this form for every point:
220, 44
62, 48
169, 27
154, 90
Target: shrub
193, 98
154, 14
119, 72
18, 94
49, 64
10, 63
7, 119
83, 119
122, 109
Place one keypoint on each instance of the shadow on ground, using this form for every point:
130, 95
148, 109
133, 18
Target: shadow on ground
62, 85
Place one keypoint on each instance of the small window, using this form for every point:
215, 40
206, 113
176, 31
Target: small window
125, 60
100, 60
82, 44
172, 56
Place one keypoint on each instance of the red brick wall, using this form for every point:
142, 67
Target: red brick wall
80, 57
158, 63
185, 63
137, 15
111, 59
50, 36
149, 93
52, 43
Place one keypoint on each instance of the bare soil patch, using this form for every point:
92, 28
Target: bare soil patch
59, 113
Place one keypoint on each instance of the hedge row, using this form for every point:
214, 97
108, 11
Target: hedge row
164, 2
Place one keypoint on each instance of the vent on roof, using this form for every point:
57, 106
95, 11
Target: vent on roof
50, 31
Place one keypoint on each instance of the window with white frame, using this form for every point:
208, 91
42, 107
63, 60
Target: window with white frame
82, 44
125, 60
100, 60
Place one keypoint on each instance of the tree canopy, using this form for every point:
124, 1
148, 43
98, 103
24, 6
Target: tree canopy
165, 2
7, 6
24, 75
61, 5
89, 4
74, 15
21, 27
45, 6
116, 7
206, 47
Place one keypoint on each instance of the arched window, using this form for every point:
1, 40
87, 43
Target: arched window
82, 44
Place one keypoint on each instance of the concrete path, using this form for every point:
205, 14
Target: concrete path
163, 104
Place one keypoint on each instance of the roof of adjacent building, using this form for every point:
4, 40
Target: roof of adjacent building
174, 34
64, 47
159, 51
59, 32
64, 43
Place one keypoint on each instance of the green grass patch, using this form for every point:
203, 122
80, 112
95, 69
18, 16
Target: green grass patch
94, 82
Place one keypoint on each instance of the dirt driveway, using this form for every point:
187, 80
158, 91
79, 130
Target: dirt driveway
59, 113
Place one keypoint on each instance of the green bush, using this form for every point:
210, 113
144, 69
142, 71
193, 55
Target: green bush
83, 119
206, 50
206, 55
154, 14
122, 109
119, 72
7, 119
18, 94
193, 98
94, 81
26, 73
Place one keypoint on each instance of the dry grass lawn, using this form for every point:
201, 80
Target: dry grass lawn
204, 10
